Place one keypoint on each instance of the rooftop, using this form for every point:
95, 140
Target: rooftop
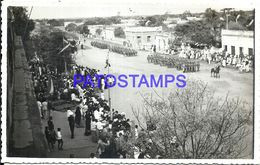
143, 29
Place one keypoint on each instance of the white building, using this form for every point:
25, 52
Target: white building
108, 33
142, 37
162, 42
238, 42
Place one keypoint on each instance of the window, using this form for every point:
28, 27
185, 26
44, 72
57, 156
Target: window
240, 50
250, 51
233, 50
148, 38
225, 47
139, 39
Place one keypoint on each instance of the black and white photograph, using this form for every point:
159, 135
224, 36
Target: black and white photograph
129, 80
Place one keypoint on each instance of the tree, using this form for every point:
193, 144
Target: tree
119, 32
193, 123
49, 43
22, 24
185, 14
83, 29
153, 21
236, 26
71, 27
195, 32
54, 22
103, 21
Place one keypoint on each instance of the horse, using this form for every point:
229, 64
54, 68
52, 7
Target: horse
215, 71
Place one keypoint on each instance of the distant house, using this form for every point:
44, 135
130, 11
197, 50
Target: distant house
237, 42
76, 23
142, 37
108, 33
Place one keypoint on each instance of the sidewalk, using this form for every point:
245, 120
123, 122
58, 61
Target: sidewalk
81, 146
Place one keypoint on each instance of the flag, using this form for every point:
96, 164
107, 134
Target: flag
250, 23
147, 22
64, 40
51, 88
238, 16
64, 48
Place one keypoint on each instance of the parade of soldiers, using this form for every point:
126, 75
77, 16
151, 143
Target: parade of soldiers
186, 65
114, 48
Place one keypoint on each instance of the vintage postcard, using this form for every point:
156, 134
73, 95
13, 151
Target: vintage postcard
122, 82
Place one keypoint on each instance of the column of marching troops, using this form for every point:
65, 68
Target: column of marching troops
114, 48
186, 65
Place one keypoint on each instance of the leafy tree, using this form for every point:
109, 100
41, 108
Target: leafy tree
185, 14
103, 21
193, 123
49, 43
195, 31
83, 29
54, 22
119, 32
71, 27
236, 26
152, 21
22, 24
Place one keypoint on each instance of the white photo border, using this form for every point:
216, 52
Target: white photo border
5, 159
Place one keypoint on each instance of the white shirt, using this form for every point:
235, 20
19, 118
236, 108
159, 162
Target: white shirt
59, 136
69, 113
39, 105
99, 125
45, 105
97, 115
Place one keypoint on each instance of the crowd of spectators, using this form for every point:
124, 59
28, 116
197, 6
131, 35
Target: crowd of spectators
111, 130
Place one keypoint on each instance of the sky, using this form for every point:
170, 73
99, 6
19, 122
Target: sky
102, 8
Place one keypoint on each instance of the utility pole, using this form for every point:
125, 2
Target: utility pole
226, 11
227, 15
109, 96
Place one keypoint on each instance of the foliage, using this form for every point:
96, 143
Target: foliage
119, 32
152, 21
22, 24
48, 43
103, 21
185, 14
55, 22
193, 123
208, 30
83, 29
195, 32
71, 27
235, 26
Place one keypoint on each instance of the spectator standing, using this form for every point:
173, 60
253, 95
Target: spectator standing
59, 139
71, 120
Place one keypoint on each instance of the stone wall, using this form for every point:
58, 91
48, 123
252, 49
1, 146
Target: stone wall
26, 137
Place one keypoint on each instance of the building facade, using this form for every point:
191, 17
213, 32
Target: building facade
237, 42
142, 37
162, 42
